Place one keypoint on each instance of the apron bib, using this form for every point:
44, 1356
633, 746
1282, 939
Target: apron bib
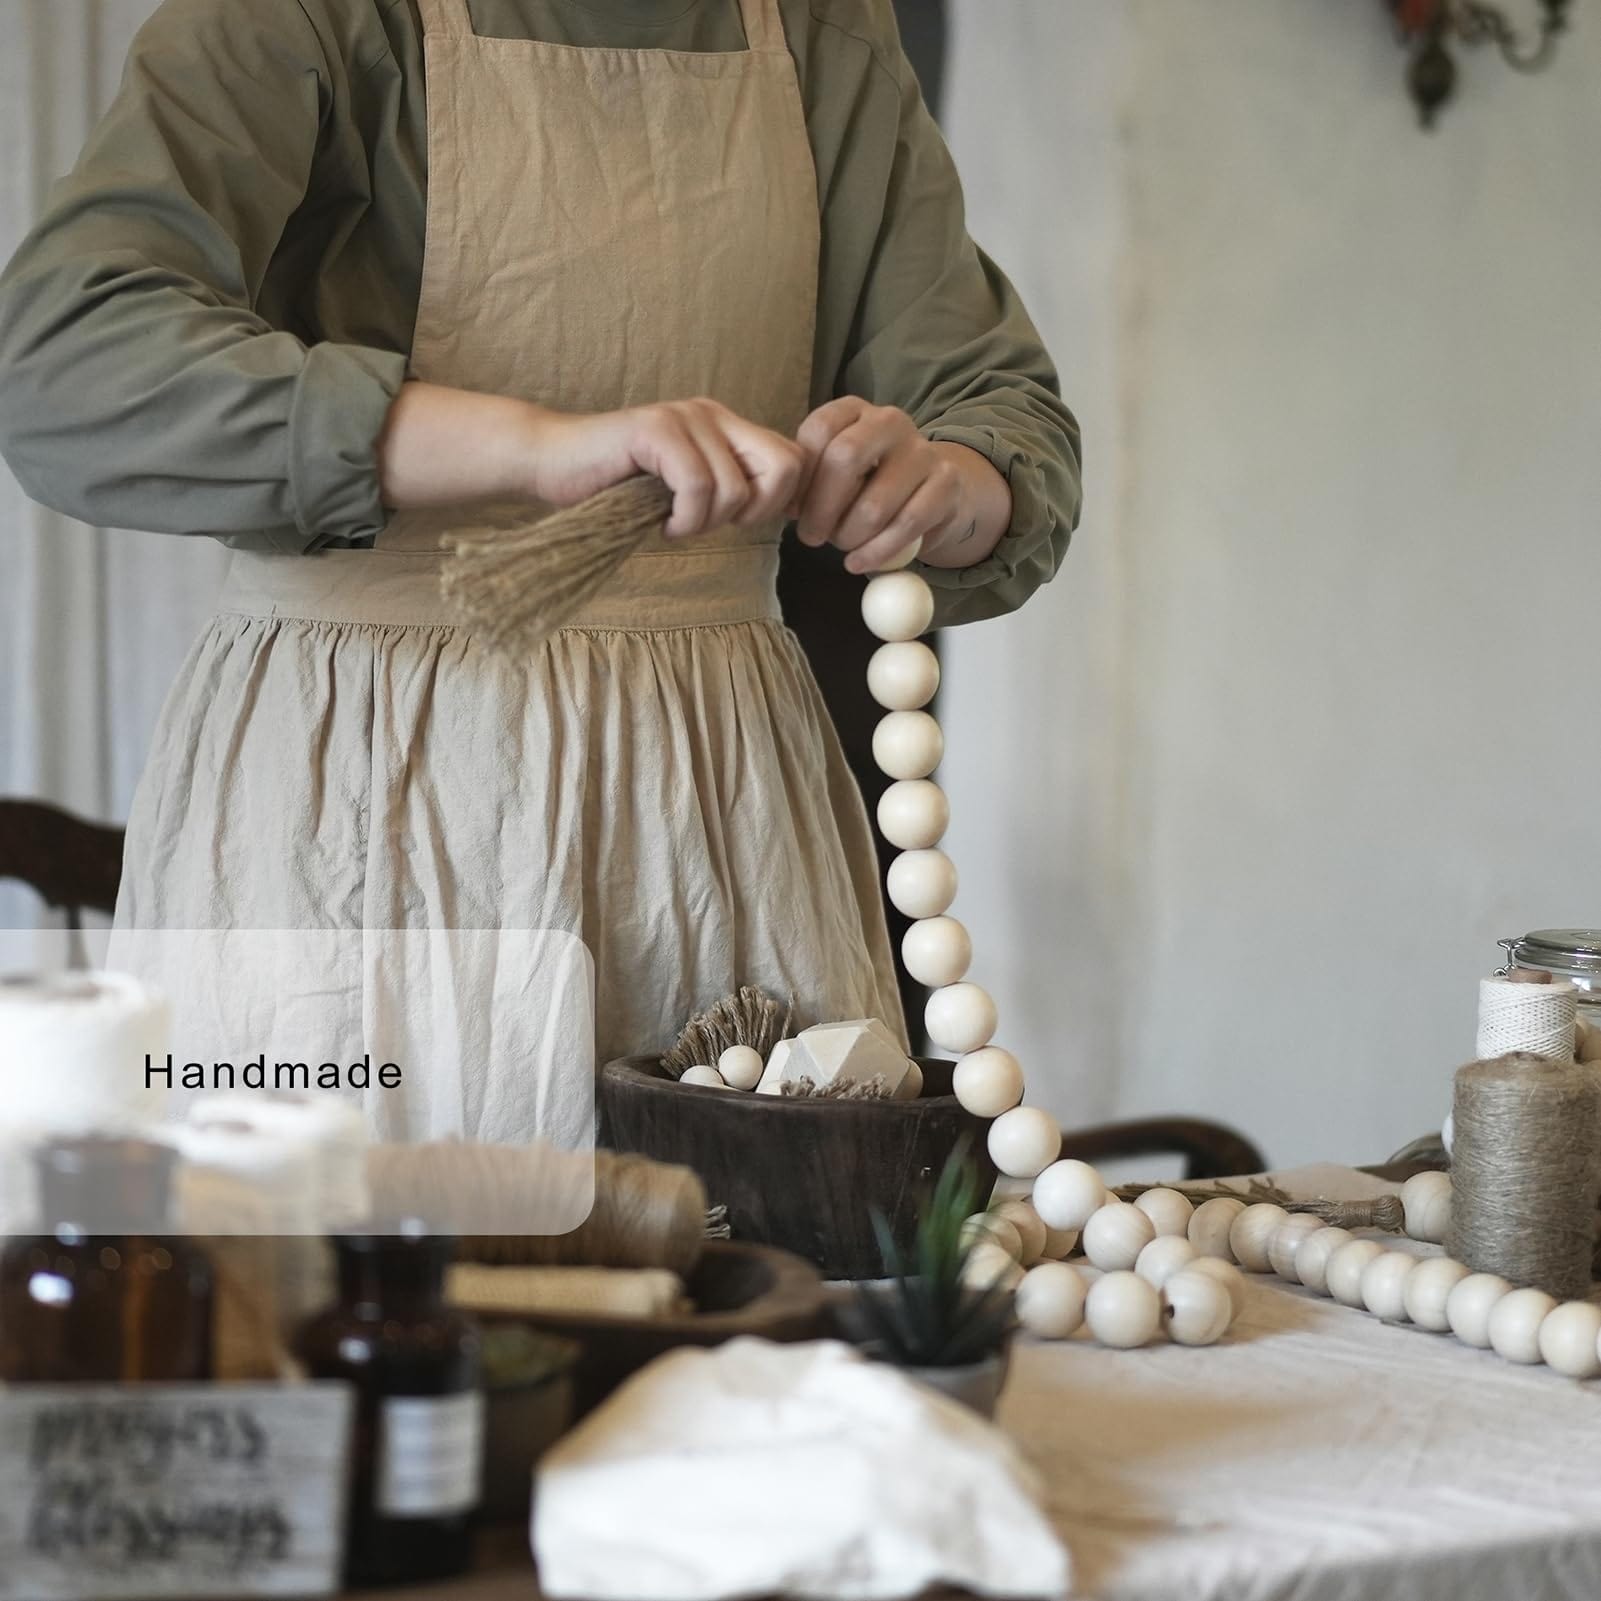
606, 228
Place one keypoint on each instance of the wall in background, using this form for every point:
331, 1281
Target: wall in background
1309, 720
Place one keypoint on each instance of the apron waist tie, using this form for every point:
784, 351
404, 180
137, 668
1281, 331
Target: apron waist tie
681, 588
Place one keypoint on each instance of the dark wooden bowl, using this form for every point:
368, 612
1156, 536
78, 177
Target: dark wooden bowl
737, 1289
803, 1175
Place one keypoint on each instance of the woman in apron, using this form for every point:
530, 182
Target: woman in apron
338, 278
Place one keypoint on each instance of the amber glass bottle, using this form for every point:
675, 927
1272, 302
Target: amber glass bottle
101, 1291
417, 1457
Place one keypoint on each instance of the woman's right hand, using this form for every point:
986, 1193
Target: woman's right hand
721, 468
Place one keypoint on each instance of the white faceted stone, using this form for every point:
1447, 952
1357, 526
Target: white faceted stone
1024, 1141
1050, 1300
1163, 1257
1030, 1228
911, 1087
772, 1078
1343, 1275
937, 951
1312, 1257
1383, 1286
847, 1053
1196, 1307
741, 1067
1169, 1211
961, 1018
997, 1230
1428, 1288
1469, 1305
1287, 1240
1122, 1310
1426, 1202
913, 814
903, 678
1514, 1324
988, 1082
1115, 1235
907, 745
1569, 1338
1252, 1233
1068, 1193
707, 1078
987, 1265
921, 883
897, 606
1226, 1274
1209, 1226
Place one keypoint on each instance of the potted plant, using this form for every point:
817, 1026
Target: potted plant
925, 1316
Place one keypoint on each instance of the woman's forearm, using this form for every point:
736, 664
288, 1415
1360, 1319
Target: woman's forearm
984, 517
450, 447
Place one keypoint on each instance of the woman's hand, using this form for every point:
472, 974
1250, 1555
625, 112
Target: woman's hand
874, 485
446, 447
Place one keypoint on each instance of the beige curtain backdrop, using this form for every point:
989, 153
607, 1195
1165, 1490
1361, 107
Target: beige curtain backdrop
93, 623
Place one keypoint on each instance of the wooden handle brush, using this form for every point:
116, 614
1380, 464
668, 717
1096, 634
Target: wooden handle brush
519, 588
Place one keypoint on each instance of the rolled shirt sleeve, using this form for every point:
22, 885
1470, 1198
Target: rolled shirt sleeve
139, 387
941, 332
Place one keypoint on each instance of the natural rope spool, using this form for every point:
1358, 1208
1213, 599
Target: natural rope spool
646, 1214
1525, 1171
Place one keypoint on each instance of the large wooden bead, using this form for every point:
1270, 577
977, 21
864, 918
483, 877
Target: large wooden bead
741, 1067
1196, 1307
937, 951
1346, 1267
1069, 1193
1287, 1240
988, 1265
1122, 1310
703, 1077
1162, 1258
913, 814
1514, 1324
1426, 1203
904, 677
904, 557
1226, 1274
1209, 1226
999, 1231
1383, 1285
1167, 1209
1024, 1141
921, 883
1312, 1257
988, 1082
1050, 1300
907, 744
1428, 1288
1115, 1235
1569, 1338
897, 606
1252, 1233
960, 1018
1031, 1231
1469, 1305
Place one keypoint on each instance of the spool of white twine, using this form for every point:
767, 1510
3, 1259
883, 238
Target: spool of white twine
1535, 1019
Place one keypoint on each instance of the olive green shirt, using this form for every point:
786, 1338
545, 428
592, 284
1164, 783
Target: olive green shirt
205, 331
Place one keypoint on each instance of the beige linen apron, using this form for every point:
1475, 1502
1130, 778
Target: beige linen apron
605, 228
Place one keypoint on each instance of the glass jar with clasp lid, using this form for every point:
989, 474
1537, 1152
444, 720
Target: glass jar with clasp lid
1573, 954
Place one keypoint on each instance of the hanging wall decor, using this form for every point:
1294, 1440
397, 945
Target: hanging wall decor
1430, 27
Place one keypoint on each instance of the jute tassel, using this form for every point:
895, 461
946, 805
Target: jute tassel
518, 588
1525, 1171
752, 1017
646, 1214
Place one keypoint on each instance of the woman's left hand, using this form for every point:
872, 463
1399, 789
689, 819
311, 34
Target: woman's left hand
874, 485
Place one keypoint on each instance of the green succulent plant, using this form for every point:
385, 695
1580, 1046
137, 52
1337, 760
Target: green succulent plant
926, 1317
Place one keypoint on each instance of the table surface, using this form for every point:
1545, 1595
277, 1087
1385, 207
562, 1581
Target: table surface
1316, 1454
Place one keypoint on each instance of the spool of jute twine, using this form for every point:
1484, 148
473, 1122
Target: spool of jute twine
1526, 1170
1519, 1016
645, 1213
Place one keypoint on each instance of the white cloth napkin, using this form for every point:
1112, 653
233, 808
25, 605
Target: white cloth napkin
803, 1470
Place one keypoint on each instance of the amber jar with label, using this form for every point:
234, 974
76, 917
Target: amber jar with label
101, 1291
415, 1364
